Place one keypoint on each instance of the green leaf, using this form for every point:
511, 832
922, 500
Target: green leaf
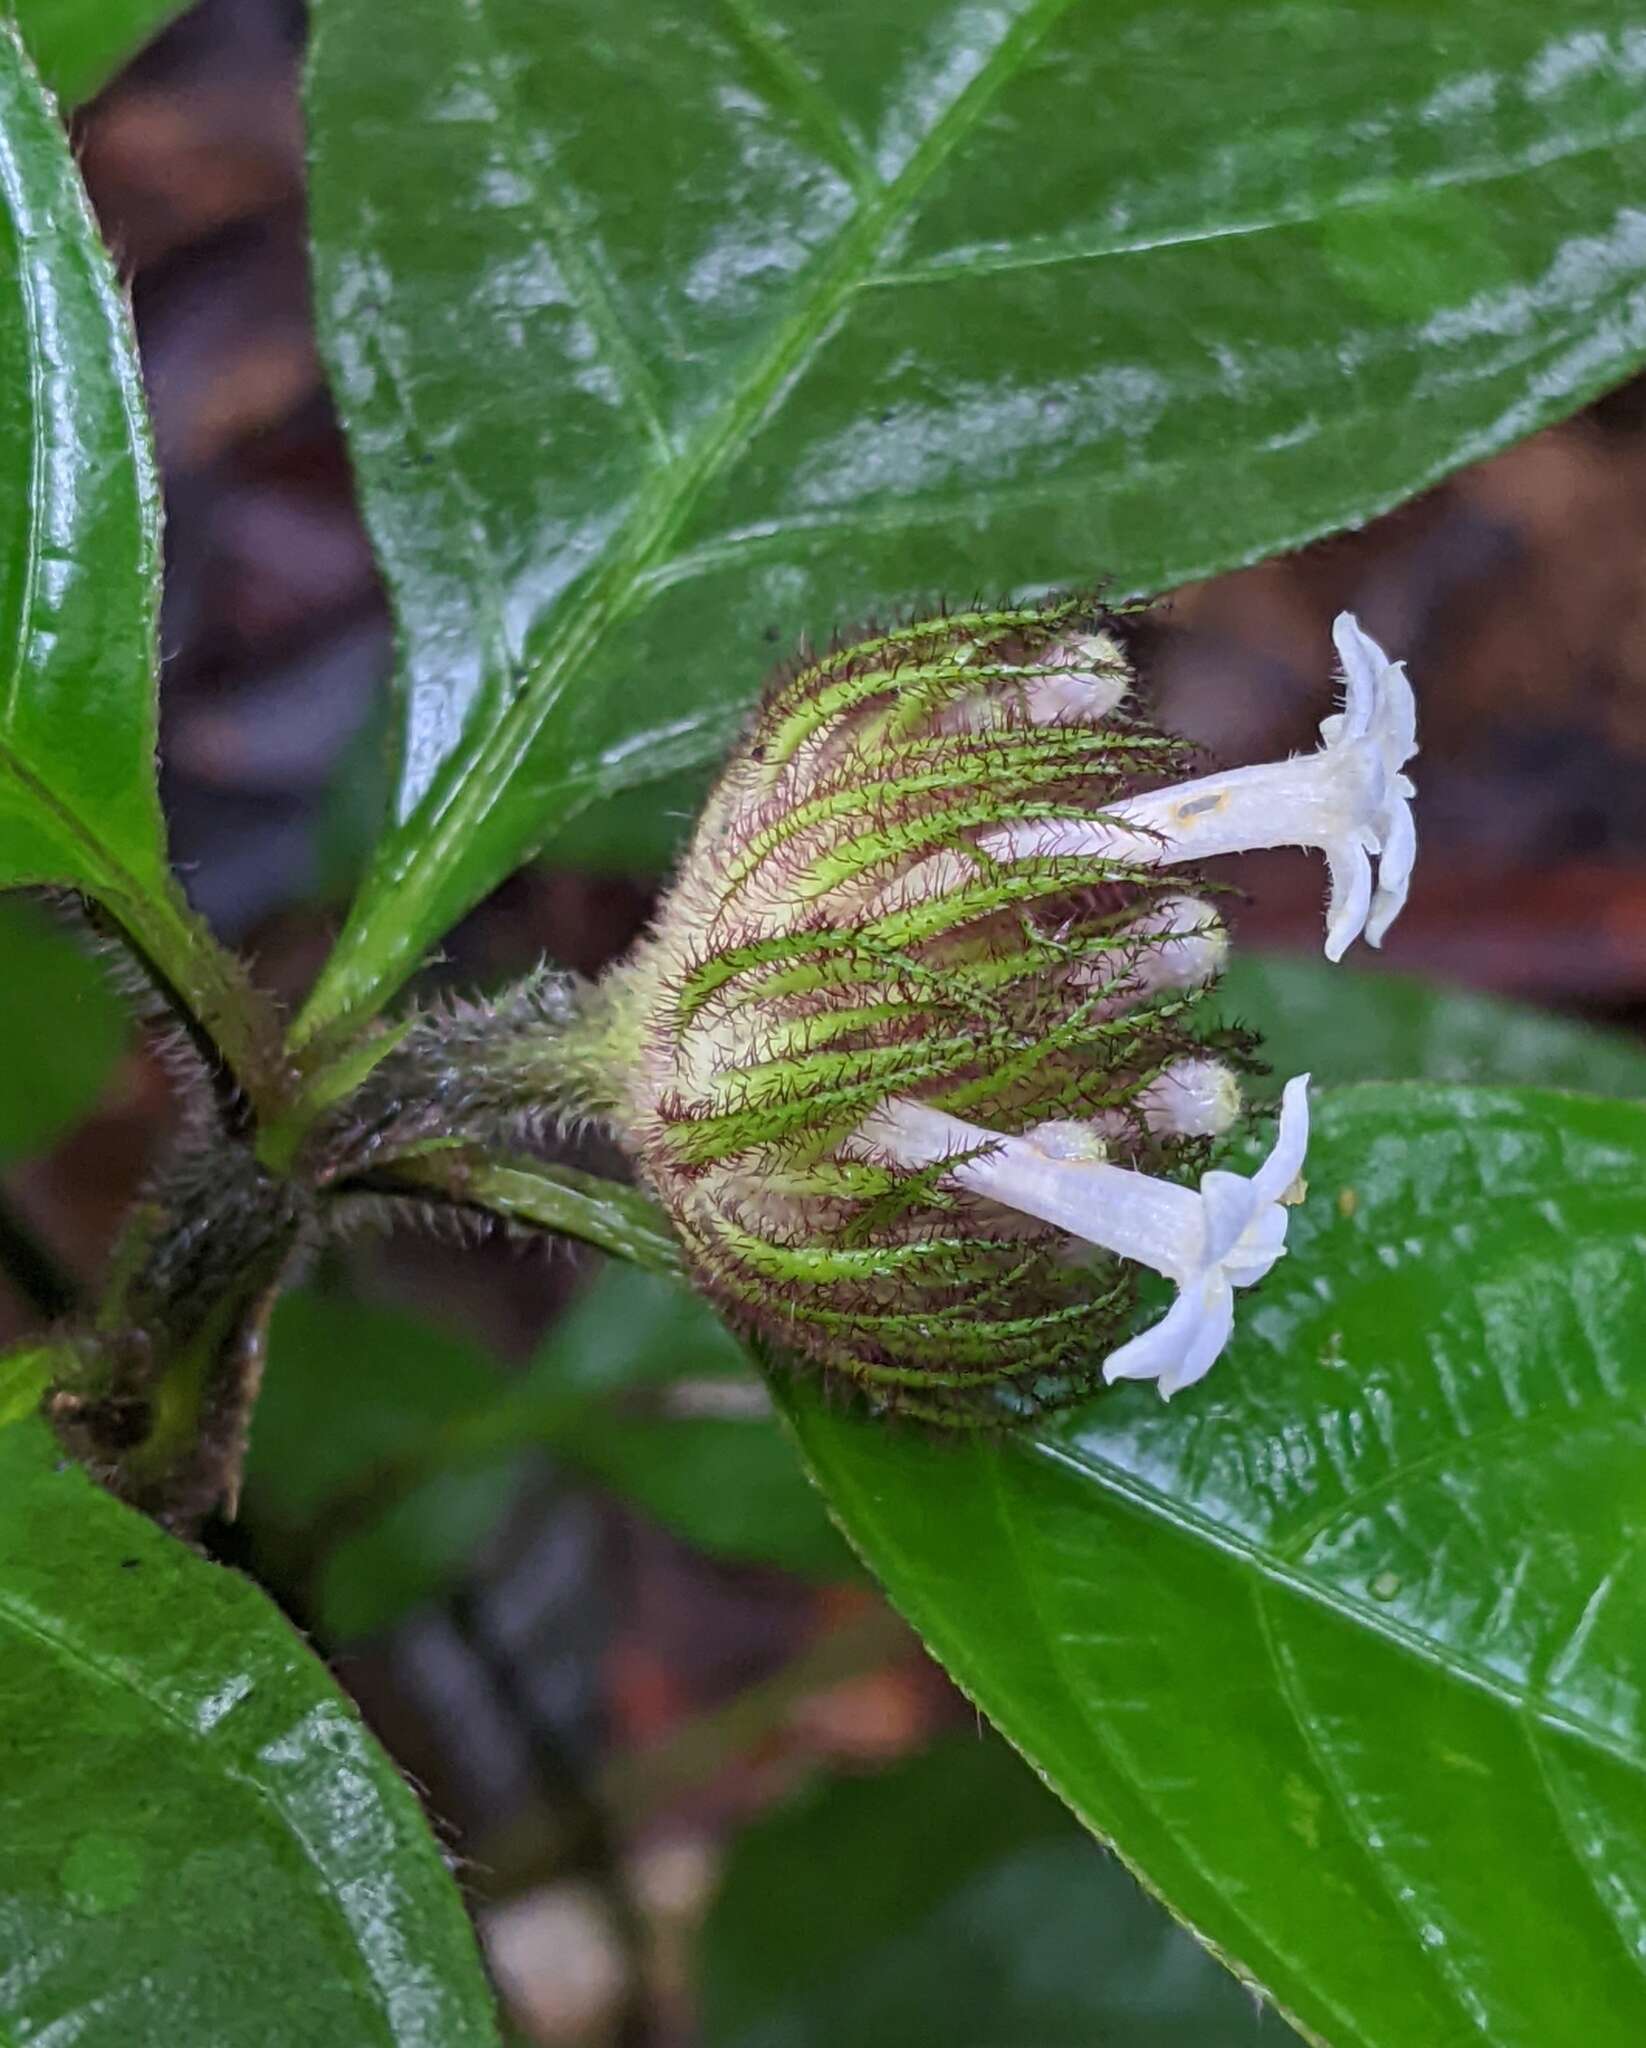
896, 303
705, 1456
80, 44
24, 1378
1345, 1650
79, 578
79, 532
61, 1030
642, 831
350, 1390
384, 1452
203, 1846
1345, 1024
951, 1900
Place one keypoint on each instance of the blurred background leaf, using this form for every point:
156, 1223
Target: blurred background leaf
1347, 1653
24, 1378
952, 1899
1358, 1024
385, 1452
636, 832
705, 1456
847, 332
62, 1028
352, 1389
202, 1844
80, 44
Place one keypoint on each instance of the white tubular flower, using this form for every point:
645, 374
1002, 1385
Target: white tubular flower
1350, 799
867, 926
1238, 1235
1208, 1243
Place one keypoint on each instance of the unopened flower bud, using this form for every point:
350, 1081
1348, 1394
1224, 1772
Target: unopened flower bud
1193, 1098
924, 1007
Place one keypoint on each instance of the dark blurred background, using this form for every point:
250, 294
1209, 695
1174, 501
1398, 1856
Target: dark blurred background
565, 1707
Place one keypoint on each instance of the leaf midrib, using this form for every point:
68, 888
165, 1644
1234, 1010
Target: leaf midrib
105, 872
373, 956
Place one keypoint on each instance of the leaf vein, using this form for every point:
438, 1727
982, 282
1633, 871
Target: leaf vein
1313, 1734
1461, 1448
488, 581
1077, 1693
978, 259
590, 289
1560, 1805
1235, 1543
460, 800
813, 107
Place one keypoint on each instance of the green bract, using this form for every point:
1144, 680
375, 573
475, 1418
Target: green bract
838, 937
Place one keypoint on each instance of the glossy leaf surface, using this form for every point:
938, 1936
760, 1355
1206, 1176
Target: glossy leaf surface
1346, 1649
951, 1900
202, 1844
1356, 1024
80, 44
898, 303
79, 531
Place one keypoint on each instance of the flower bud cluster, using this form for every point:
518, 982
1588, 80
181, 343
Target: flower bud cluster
851, 942
915, 1056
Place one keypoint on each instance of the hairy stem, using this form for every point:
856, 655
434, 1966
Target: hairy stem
233, 1026
159, 1398
524, 1193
